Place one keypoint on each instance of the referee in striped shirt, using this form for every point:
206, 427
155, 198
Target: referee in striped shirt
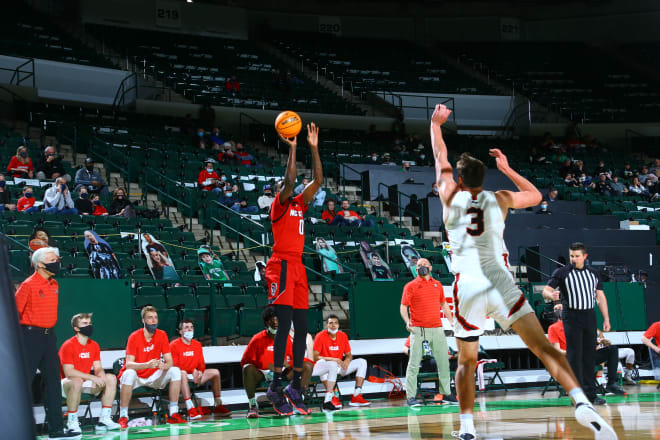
580, 289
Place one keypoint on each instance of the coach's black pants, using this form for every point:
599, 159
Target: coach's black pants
609, 354
580, 330
41, 352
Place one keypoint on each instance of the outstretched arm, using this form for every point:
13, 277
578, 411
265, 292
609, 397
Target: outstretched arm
290, 176
527, 195
313, 141
443, 172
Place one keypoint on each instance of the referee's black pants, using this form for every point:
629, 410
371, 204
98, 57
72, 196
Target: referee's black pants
41, 352
580, 331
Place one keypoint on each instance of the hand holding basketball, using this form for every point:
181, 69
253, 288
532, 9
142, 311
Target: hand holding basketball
288, 125
500, 159
440, 114
313, 135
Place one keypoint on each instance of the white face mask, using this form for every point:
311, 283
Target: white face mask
333, 332
272, 330
188, 335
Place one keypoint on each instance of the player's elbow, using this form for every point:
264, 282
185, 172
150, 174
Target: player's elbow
537, 197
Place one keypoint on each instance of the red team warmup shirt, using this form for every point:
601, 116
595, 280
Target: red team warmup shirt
82, 357
259, 351
188, 357
653, 332
425, 299
329, 348
145, 351
556, 334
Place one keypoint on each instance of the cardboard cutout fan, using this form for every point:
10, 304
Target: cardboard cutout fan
328, 256
211, 265
102, 259
410, 257
372, 260
158, 259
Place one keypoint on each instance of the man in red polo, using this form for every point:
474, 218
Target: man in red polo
36, 301
423, 299
188, 356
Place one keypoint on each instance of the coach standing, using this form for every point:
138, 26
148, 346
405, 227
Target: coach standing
580, 289
422, 300
36, 300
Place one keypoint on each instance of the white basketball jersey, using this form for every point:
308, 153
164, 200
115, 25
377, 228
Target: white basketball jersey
475, 228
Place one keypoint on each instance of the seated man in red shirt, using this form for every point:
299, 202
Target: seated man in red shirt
143, 366
331, 346
188, 356
208, 179
648, 338
257, 361
352, 218
331, 216
79, 356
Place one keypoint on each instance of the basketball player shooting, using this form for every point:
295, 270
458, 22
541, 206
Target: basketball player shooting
286, 277
483, 286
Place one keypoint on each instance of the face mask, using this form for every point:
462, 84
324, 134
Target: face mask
2, 183
120, 197
209, 169
151, 328
333, 332
28, 195
423, 270
435, 190
87, 330
272, 330
228, 194
544, 207
188, 335
90, 168
223, 178
422, 156
63, 187
53, 268
582, 179
97, 202
84, 195
374, 158
23, 154
200, 133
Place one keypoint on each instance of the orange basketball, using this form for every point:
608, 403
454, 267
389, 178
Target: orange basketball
288, 124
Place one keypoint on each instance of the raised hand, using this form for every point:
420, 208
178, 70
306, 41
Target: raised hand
440, 114
500, 158
313, 135
292, 143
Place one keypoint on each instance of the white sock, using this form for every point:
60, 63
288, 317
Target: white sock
253, 402
357, 391
105, 412
71, 416
189, 403
578, 396
174, 408
328, 396
123, 412
467, 424
217, 401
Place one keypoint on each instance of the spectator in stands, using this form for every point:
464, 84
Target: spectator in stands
49, 165
570, 181
26, 203
120, 204
655, 168
330, 215
553, 195
636, 187
208, 179
232, 85
584, 180
643, 174
386, 160
83, 204
331, 345
602, 169
199, 140
242, 207
543, 209
352, 218
20, 166
5, 196
566, 168
319, 196
216, 137
227, 155
99, 210
535, 157
90, 178
243, 157
266, 199
79, 356
229, 196
433, 192
578, 169
602, 186
627, 172
405, 166
57, 199
618, 187
257, 360
143, 366
187, 355
374, 157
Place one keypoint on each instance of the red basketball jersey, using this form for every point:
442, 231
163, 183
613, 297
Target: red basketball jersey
288, 225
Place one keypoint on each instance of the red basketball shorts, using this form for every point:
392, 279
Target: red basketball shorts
287, 282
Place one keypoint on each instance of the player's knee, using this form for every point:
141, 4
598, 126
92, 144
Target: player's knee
175, 374
129, 377
75, 384
213, 372
110, 380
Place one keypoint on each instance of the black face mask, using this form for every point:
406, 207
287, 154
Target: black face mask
151, 328
84, 195
87, 330
53, 268
423, 270
90, 169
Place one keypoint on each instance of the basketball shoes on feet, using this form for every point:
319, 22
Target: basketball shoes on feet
296, 400
359, 401
463, 436
587, 416
280, 404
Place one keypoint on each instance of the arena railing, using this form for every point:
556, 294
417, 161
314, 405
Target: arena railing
15, 269
342, 180
163, 193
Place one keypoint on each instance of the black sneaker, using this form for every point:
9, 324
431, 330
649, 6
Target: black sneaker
614, 390
64, 435
450, 399
329, 406
598, 401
